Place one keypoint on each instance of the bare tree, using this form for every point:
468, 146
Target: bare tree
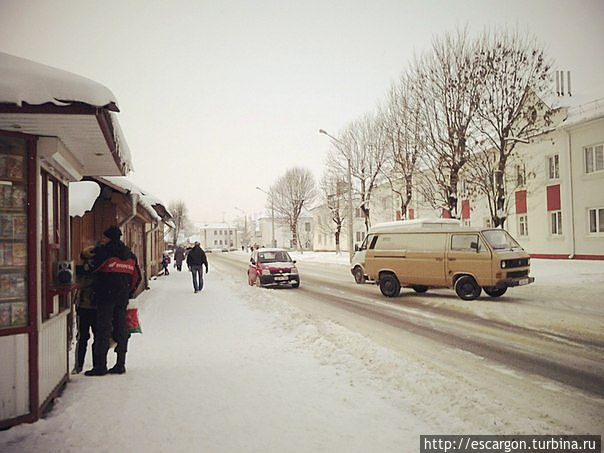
332, 192
403, 141
178, 209
290, 193
363, 143
448, 86
516, 76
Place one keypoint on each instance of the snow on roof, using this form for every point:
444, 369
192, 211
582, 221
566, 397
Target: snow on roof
82, 196
211, 226
25, 81
34, 83
146, 200
585, 112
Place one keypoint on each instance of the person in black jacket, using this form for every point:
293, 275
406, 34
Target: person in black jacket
196, 258
117, 277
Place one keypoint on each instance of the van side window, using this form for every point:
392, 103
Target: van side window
463, 242
390, 242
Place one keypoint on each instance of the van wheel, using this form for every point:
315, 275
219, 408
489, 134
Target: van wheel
420, 288
467, 288
495, 292
359, 277
389, 285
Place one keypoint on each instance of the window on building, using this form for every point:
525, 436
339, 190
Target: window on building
488, 223
463, 187
556, 223
359, 213
215, 232
220, 242
594, 158
466, 222
596, 220
523, 225
215, 242
307, 226
359, 236
520, 175
553, 166
230, 232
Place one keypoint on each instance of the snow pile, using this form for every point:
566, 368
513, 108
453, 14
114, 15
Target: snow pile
82, 196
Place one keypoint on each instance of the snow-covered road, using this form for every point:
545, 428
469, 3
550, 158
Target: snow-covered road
238, 368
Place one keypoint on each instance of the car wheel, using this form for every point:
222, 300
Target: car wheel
359, 277
296, 285
389, 285
495, 292
467, 288
420, 288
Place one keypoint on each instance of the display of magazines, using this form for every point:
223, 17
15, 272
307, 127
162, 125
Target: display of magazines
13, 233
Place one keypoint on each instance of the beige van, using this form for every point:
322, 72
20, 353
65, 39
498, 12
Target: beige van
440, 253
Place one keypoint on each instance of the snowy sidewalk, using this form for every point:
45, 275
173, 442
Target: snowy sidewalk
209, 373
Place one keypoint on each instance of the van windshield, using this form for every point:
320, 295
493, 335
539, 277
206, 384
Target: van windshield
501, 240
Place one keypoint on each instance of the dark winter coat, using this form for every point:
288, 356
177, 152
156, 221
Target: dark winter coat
197, 257
117, 272
179, 255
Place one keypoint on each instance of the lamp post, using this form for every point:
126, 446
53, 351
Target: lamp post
244, 223
273, 242
350, 229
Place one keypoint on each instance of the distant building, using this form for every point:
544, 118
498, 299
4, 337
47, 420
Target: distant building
219, 236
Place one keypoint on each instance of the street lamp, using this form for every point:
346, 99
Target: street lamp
244, 223
350, 238
273, 242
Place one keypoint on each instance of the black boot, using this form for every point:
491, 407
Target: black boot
96, 372
120, 365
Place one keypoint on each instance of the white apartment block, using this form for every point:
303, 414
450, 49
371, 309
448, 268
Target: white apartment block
219, 236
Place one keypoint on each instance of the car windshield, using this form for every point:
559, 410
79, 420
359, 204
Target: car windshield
273, 257
500, 240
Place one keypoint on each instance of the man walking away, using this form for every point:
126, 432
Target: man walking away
179, 257
117, 277
196, 258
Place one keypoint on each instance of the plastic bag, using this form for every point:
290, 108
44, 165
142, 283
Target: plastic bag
132, 323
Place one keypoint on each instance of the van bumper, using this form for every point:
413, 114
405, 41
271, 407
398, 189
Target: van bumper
511, 282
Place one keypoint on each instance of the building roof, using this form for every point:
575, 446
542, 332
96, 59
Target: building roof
41, 100
147, 201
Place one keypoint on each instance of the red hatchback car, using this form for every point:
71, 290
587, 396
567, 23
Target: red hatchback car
272, 267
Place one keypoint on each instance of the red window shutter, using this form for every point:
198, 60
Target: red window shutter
445, 214
521, 202
411, 213
465, 209
553, 198
398, 215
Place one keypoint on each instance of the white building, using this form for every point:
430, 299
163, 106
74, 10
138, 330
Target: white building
221, 236
283, 235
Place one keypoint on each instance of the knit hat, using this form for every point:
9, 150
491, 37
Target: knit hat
113, 233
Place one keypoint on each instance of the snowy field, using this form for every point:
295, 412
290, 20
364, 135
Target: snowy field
239, 369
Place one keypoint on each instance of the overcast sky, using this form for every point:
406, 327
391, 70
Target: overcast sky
218, 97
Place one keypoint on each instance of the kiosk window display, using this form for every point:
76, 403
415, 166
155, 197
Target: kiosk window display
13, 233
